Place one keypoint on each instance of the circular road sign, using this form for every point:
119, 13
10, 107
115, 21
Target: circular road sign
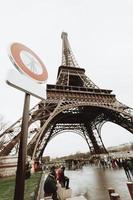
27, 62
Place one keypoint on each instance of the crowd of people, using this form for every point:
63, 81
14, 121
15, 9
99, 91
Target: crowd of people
55, 176
114, 163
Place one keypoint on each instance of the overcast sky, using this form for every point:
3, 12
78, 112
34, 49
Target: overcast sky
101, 37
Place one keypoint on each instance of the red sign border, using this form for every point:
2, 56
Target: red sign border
15, 50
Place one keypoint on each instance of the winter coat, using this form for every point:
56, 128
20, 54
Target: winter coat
50, 185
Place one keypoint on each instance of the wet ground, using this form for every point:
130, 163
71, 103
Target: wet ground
93, 182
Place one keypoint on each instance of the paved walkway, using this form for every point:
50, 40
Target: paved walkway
93, 183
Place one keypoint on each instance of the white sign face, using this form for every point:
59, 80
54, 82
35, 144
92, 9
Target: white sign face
31, 62
23, 83
27, 62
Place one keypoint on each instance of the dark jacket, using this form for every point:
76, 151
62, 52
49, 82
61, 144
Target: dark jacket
50, 187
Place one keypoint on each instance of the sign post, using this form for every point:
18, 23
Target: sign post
29, 64
20, 174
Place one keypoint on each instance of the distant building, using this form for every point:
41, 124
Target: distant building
46, 159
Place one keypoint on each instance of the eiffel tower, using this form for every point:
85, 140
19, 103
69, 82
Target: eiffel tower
73, 104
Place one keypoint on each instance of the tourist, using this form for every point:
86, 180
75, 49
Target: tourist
63, 180
50, 184
126, 169
27, 170
130, 165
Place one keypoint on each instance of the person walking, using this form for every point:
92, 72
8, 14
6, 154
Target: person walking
130, 165
126, 169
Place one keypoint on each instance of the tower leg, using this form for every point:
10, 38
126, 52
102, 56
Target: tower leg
96, 140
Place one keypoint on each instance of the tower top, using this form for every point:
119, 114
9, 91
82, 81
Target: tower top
69, 73
68, 58
64, 34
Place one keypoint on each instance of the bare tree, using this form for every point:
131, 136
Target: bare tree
3, 127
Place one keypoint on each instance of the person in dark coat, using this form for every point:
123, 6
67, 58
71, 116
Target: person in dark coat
130, 165
126, 169
50, 188
27, 170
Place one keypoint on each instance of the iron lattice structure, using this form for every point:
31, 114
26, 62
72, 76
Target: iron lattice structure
74, 104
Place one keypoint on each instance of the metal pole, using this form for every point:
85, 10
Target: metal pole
20, 173
130, 188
